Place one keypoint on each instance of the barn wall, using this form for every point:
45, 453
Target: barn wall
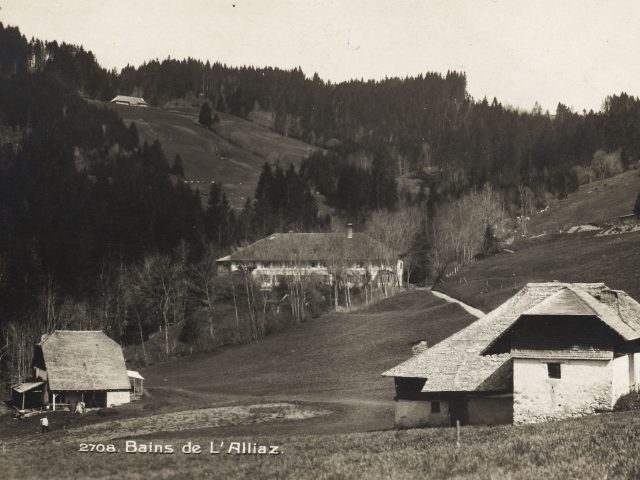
585, 387
623, 374
635, 371
118, 398
490, 411
417, 413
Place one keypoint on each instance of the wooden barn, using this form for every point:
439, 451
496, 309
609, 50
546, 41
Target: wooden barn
73, 366
554, 350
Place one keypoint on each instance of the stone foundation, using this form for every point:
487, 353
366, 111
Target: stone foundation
490, 411
417, 413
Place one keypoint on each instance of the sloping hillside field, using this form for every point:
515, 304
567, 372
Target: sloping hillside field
581, 257
332, 358
231, 153
595, 202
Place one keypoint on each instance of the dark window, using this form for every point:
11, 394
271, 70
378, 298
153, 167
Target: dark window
554, 370
435, 407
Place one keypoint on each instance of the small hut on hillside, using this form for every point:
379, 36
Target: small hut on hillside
73, 366
129, 101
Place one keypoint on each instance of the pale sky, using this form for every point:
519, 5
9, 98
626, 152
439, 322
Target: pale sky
550, 51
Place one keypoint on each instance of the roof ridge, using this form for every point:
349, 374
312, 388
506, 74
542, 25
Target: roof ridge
452, 338
78, 331
558, 283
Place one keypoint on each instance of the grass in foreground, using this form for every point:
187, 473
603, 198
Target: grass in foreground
604, 446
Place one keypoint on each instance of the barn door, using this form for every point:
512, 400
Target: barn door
458, 411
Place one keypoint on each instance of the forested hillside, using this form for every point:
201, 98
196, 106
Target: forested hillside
423, 125
426, 125
230, 153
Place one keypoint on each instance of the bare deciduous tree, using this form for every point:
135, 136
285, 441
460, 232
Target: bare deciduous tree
526, 206
458, 230
397, 231
156, 285
203, 283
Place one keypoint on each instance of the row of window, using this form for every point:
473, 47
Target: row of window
309, 264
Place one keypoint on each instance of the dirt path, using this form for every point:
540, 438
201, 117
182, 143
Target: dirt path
473, 311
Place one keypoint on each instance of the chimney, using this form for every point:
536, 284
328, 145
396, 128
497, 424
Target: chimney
349, 230
419, 347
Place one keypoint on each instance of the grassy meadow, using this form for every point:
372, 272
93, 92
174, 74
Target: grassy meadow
580, 257
595, 202
598, 447
232, 153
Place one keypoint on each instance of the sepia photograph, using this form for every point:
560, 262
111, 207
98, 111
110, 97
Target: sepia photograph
319, 239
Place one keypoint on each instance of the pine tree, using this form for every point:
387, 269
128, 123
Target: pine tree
219, 218
177, 168
205, 117
262, 220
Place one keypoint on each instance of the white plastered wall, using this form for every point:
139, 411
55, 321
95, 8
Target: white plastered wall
584, 387
118, 398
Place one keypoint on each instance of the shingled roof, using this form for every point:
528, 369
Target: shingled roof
132, 101
83, 360
313, 247
458, 364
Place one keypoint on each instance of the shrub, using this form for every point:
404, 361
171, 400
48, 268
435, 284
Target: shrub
630, 401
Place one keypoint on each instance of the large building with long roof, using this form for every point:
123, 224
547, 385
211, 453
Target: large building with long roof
353, 255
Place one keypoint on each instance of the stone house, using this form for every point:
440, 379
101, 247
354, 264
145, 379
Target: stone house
553, 350
355, 256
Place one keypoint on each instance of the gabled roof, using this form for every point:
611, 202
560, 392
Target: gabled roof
134, 101
563, 302
574, 302
457, 363
26, 387
83, 360
313, 247
134, 374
